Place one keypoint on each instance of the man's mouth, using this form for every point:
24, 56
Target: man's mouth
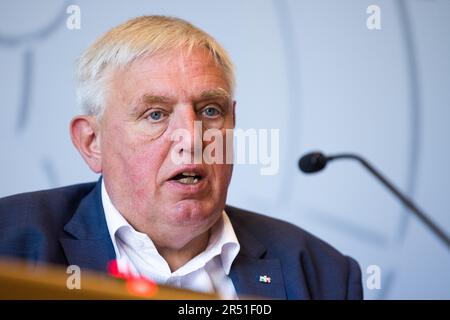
187, 178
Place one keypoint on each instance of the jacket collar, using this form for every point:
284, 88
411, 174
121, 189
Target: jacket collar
91, 245
254, 275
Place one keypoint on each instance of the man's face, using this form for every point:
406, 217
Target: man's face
146, 103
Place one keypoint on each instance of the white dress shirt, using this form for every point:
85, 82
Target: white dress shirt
206, 272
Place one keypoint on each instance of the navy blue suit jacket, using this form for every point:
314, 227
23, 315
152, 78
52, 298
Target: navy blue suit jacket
68, 226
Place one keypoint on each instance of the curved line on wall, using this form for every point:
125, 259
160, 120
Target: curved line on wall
291, 54
26, 85
415, 112
49, 168
40, 34
415, 130
28, 62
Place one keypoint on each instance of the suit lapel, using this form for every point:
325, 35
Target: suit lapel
250, 271
91, 245
88, 254
248, 275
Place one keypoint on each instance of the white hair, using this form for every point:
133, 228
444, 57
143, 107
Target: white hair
142, 36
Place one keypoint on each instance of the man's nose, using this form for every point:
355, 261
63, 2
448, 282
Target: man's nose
187, 123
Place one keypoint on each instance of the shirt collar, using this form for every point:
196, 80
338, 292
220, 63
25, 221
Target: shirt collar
114, 219
222, 241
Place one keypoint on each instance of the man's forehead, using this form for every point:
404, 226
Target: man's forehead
159, 79
179, 60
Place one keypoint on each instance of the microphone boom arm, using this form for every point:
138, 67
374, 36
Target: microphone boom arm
403, 198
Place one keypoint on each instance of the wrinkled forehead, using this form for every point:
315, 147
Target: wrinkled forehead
176, 74
178, 62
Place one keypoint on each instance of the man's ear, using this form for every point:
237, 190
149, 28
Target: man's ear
84, 132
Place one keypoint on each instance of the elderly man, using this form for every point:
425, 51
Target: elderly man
160, 218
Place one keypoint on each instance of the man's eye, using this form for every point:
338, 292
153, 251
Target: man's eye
211, 112
156, 115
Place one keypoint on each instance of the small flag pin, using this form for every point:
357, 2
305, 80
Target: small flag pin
265, 279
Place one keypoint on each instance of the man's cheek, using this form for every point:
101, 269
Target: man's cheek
222, 177
142, 175
143, 168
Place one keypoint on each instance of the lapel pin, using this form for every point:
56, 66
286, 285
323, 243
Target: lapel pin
265, 279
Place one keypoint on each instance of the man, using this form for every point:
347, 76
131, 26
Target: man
156, 209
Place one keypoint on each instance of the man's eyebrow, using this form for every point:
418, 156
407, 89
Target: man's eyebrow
214, 94
150, 98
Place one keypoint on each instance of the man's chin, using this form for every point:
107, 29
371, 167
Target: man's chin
189, 209
186, 220
192, 212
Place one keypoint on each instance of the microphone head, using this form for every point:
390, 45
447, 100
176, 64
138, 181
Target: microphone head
312, 162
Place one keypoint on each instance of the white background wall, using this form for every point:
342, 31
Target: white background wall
309, 68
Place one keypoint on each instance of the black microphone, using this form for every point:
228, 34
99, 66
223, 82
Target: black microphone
316, 161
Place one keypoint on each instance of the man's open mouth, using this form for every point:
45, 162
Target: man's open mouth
187, 178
